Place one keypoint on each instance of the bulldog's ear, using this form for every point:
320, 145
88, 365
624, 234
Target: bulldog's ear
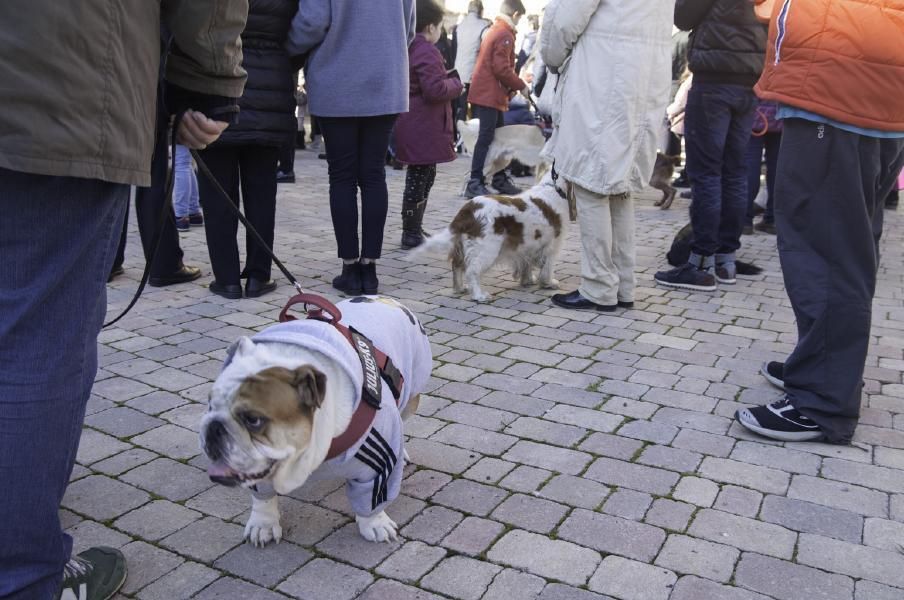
243, 346
311, 386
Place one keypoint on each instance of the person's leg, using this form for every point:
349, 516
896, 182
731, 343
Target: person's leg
373, 139
221, 224
120, 259
257, 168
149, 203
707, 123
418, 182
53, 301
829, 221
489, 119
286, 162
734, 203
341, 136
754, 160
623, 252
182, 186
599, 275
773, 143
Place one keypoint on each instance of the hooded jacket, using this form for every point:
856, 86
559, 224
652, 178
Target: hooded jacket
78, 80
614, 60
842, 59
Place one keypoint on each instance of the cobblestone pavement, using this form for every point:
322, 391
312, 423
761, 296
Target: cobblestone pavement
558, 455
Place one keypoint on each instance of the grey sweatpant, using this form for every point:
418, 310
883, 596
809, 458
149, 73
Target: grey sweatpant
829, 194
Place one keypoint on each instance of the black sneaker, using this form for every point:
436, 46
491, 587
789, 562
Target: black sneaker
687, 277
779, 421
183, 224
506, 186
95, 574
766, 227
774, 372
350, 279
476, 188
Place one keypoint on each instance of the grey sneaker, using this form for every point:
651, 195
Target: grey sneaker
476, 188
726, 269
95, 574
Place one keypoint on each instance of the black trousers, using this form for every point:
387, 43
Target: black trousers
253, 169
149, 203
356, 154
830, 189
491, 119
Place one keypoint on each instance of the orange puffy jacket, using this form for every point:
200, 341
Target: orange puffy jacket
842, 59
494, 79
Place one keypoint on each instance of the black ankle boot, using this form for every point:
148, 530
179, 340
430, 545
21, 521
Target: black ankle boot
412, 239
412, 218
350, 279
369, 281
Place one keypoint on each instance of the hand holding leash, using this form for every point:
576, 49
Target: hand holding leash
196, 131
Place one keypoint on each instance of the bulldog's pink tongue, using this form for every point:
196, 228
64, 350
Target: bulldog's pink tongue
221, 470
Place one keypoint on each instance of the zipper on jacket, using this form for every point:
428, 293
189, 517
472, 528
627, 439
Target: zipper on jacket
782, 25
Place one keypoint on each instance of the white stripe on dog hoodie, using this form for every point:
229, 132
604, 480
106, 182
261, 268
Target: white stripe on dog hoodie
373, 465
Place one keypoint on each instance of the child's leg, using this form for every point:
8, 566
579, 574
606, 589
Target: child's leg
194, 204
182, 186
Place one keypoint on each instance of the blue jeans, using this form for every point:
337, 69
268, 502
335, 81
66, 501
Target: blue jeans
185, 188
770, 143
58, 238
718, 121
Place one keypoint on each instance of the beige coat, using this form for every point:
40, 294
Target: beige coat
78, 80
615, 65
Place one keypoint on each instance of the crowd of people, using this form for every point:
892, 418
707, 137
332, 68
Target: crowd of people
819, 96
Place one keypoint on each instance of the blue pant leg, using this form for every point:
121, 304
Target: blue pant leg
58, 239
754, 171
742, 103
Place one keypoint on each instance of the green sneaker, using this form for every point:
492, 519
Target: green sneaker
95, 574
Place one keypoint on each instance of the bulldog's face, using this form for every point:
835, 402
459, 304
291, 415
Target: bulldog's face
259, 417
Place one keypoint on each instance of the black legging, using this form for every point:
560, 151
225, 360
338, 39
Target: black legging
254, 169
356, 154
418, 183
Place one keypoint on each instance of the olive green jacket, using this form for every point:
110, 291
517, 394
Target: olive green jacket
78, 80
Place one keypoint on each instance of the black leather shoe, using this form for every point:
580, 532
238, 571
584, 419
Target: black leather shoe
625, 304
184, 274
575, 301
369, 282
255, 288
350, 279
233, 291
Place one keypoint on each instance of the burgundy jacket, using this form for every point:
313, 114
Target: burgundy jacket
423, 135
495, 81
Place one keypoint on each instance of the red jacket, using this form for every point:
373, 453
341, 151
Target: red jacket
842, 59
495, 81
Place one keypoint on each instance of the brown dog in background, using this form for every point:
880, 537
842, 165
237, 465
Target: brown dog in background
663, 171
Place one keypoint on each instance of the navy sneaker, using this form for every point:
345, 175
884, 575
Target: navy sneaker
183, 223
687, 277
95, 574
779, 421
774, 372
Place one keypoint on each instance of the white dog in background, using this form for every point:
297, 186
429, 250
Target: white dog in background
512, 142
526, 231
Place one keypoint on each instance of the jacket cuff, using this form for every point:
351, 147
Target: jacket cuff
218, 108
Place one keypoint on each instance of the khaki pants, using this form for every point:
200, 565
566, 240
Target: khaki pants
607, 246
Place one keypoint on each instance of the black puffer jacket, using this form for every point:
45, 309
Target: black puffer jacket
267, 115
727, 44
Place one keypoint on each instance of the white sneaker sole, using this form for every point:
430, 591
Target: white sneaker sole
747, 420
687, 286
726, 281
771, 379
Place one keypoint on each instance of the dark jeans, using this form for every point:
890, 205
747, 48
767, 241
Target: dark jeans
356, 153
718, 121
149, 203
830, 189
770, 143
58, 238
253, 168
490, 120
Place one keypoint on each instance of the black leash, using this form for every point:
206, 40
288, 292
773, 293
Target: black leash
165, 214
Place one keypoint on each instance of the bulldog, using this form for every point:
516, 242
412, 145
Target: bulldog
284, 407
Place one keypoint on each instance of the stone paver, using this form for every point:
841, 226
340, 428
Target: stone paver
557, 455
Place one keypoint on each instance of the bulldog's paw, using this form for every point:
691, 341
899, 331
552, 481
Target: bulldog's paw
480, 297
378, 528
262, 528
552, 284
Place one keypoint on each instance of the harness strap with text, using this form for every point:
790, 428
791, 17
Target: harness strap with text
375, 364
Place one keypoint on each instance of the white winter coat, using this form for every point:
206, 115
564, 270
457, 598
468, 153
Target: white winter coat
614, 59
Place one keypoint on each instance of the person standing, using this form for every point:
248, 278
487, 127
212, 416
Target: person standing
357, 83
467, 38
66, 164
424, 134
246, 155
606, 148
186, 200
766, 137
726, 51
836, 75
493, 84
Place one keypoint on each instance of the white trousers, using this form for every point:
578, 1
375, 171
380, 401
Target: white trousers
607, 246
